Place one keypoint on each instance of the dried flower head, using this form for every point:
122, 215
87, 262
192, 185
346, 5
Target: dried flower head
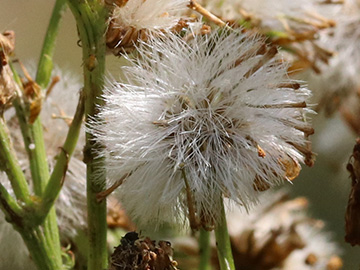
8, 87
293, 25
135, 19
337, 86
200, 119
277, 234
142, 254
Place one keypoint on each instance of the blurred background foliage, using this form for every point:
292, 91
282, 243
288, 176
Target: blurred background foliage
326, 185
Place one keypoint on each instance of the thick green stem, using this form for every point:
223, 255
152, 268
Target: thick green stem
223, 245
204, 249
91, 21
41, 252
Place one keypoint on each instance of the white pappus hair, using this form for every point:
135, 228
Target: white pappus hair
149, 14
214, 116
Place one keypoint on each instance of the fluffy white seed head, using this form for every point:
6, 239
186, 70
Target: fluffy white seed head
153, 15
277, 14
214, 113
338, 81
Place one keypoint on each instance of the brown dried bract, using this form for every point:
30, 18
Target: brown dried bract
142, 254
117, 217
7, 84
352, 216
122, 39
113, 3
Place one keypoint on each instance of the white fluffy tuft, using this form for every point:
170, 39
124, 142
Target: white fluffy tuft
191, 106
149, 14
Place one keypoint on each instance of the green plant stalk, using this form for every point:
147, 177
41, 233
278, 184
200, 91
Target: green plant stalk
45, 248
56, 180
204, 249
45, 64
91, 21
34, 238
38, 160
223, 245
11, 166
10, 207
41, 252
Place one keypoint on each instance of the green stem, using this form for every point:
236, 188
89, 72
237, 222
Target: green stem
41, 252
11, 166
45, 65
43, 241
38, 161
91, 21
10, 207
223, 245
56, 180
34, 238
204, 249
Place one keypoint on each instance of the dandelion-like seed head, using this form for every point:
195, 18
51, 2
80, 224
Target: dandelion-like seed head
215, 116
135, 19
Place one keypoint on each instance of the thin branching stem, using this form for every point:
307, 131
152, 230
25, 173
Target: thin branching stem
11, 166
57, 177
42, 240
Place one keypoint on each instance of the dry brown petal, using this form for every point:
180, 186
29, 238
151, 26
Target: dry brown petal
116, 216
335, 263
113, 3
260, 184
311, 259
291, 167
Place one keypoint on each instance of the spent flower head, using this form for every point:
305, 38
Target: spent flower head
293, 25
199, 119
135, 19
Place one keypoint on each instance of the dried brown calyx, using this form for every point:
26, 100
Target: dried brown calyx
142, 254
116, 216
8, 86
352, 217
